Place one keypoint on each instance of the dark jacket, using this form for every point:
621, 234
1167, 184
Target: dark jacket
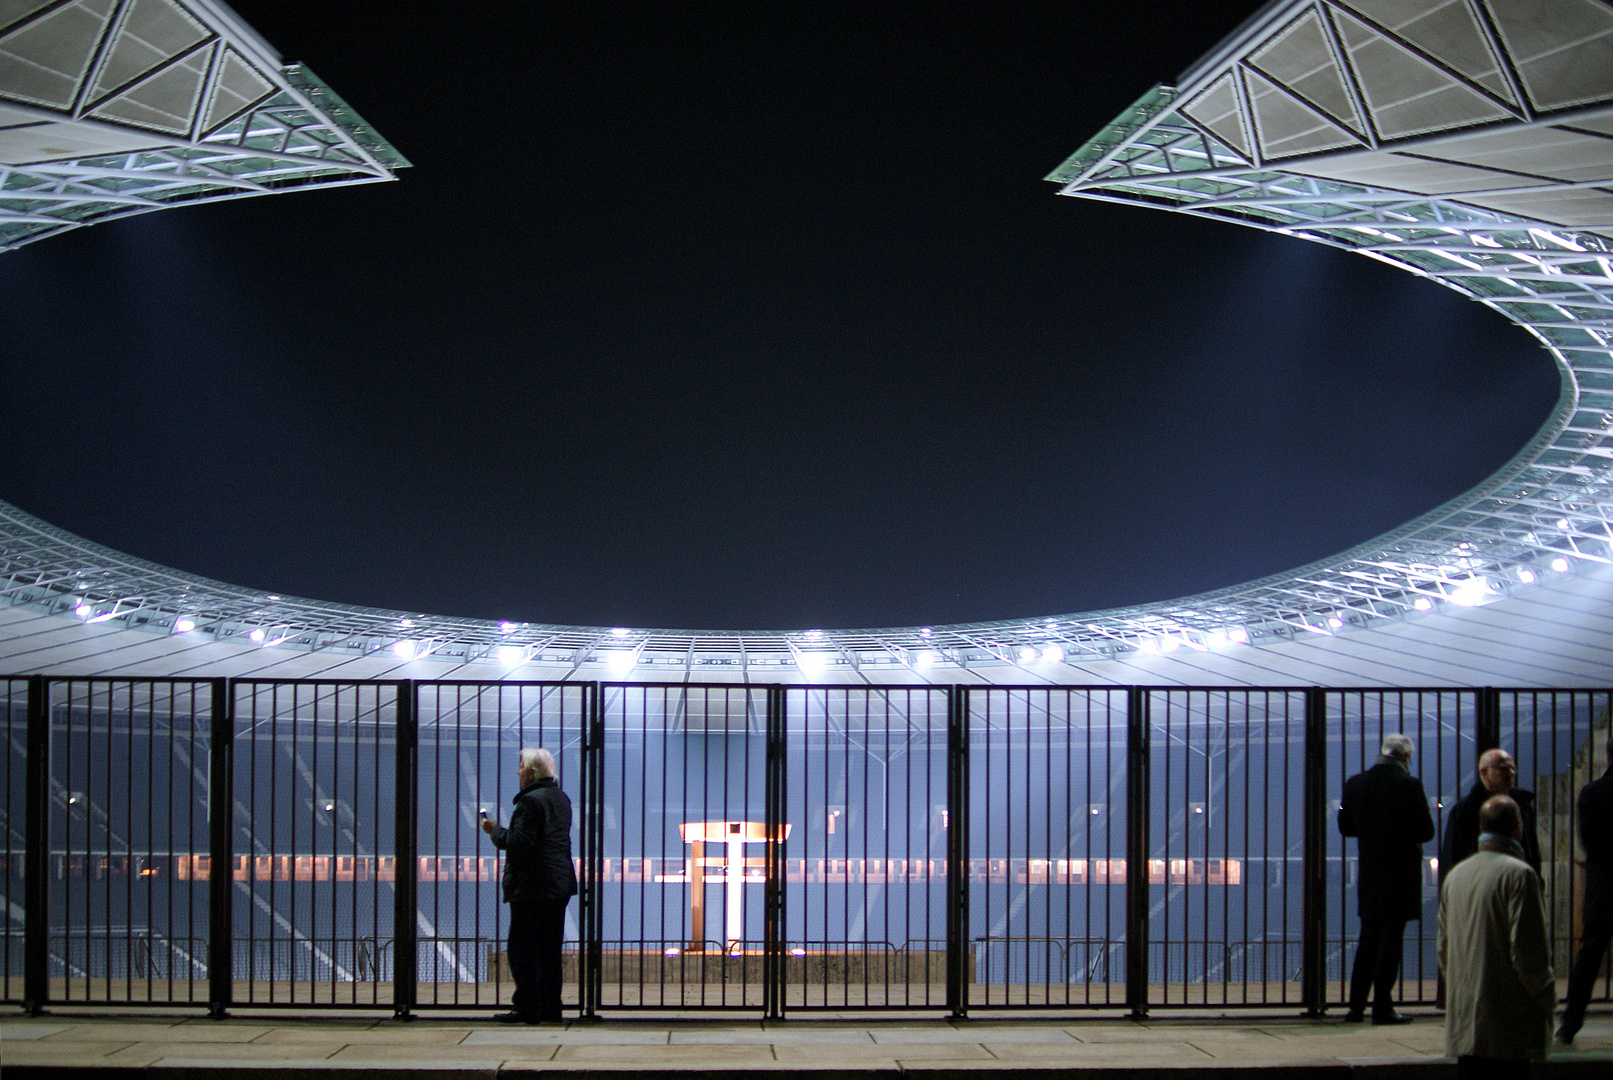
1596, 836
537, 846
1386, 809
1462, 830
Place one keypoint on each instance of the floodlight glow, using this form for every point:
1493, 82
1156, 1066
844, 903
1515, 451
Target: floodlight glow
797, 952
1471, 592
924, 659
1215, 639
1053, 654
814, 633
811, 662
506, 628
406, 622
511, 655
1027, 654
257, 637
83, 611
184, 626
1148, 645
403, 650
1526, 575
924, 632
1423, 603
1169, 644
1562, 523
1238, 636
1335, 622
1560, 565
621, 659
618, 631
673, 950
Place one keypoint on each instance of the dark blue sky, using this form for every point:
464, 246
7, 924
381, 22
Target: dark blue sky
737, 316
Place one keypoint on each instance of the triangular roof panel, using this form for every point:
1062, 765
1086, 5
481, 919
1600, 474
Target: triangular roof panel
1563, 49
1217, 110
1300, 58
165, 101
1405, 93
1445, 30
238, 87
153, 32
44, 61
1286, 126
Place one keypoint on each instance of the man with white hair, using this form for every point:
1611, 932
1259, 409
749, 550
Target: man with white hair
1386, 809
539, 881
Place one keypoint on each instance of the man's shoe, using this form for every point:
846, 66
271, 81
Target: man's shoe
1390, 1018
1354, 1016
514, 1018
1565, 1037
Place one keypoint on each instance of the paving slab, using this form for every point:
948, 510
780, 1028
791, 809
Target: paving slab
834, 1036
714, 1056
389, 1036
585, 1036
871, 1054
922, 1036
25, 1032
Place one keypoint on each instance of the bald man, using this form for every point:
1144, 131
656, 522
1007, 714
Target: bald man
1497, 775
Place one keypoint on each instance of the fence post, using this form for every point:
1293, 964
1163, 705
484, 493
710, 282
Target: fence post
591, 949
1313, 933
773, 973
405, 928
36, 852
1137, 827
1487, 721
957, 868
221, 852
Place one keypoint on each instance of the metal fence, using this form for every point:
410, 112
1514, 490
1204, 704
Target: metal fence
316, 844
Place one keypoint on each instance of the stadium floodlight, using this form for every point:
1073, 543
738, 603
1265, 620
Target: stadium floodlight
1560, 565
1562, 524
925, 659
1335, 622
618, 631
1027, 655
511, 655
1526, 575
924, 631
403, 650
1470, 593
257, 636
1053, 654
184, 626
811, 662
1238, 636
83, 611
1423, 603
621, 660
1217, 639
1148, 645
507, 627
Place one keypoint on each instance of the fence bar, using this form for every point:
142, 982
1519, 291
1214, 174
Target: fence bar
776, 778
1313, 931
36, 858
1487, 722
406, 825
957, 849
1137, 823
220, 851
591, 797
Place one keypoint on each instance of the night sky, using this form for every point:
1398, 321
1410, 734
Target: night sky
737, 316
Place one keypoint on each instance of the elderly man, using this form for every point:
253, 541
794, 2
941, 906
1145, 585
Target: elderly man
1386, 809
1596, 926
1497, 773
539, 880
1495, 955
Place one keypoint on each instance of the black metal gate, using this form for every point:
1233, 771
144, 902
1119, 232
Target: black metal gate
315, 844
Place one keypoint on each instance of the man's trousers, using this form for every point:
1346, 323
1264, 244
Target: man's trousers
537, 929
1377, 965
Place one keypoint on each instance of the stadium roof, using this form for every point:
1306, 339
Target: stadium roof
1467, 141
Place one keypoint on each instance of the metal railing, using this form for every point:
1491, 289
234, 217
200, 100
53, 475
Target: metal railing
316, 844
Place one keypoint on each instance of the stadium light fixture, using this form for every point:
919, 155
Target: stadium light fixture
1027, 655
1053, 654
257, 636
511, 655
811, 662
924, 659
83, 611
1423, 603
1238, 636
1526, 575
1217, 639
403, 650
184, 626
618, 631
1470, 593
621, 660
1560, 565
506, 627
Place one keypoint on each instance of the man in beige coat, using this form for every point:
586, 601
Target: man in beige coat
1494, 954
